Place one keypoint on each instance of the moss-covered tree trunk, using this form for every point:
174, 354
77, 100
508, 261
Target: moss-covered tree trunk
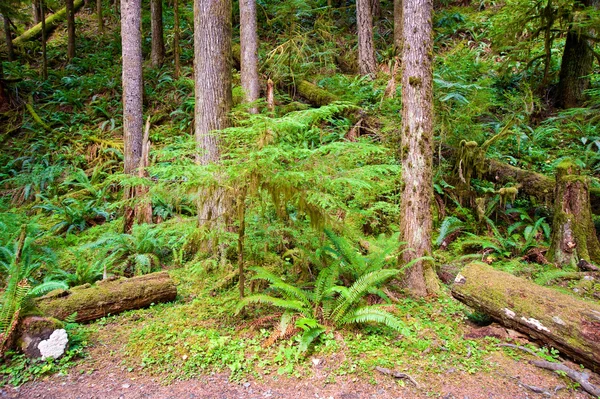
48, 24
157, 55
44, 34
99, 16
417, 145
566, 323
573, 232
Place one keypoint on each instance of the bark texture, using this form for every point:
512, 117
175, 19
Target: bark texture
108, 297
9, 42
131, 41
70, 29
50, 23
249, 52
44, 35
35, 11
573, 232
157, 55
367, 63
99, 16
417, 145
566, 323
176, 35
398, 25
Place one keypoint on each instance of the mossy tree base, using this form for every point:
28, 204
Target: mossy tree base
108, 297
564, 322
33, 330
573, 232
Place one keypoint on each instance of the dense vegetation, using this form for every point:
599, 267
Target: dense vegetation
311, 188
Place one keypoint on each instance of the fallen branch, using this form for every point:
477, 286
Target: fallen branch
52, 21
519, 347
581, 378
397, 374
36, 117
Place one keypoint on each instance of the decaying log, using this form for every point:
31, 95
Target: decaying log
564, 322
32, 331
108, 297
52, 21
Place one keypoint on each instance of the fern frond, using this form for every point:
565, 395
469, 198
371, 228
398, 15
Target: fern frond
309, 336
297, 306
278, 284
450, 225
46, 287
374, 314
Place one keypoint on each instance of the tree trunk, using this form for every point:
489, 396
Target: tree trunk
9, 42
44, 55
158, 43
573, 232
417, 143
176, 34
36, 12
108, 296
49, 24
249, 52
100, 17
560, 320
212, 55
367, 64
376, 9
577, 65
70, 29
398, 25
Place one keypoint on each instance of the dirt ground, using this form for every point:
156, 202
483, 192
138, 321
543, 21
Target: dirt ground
101, 376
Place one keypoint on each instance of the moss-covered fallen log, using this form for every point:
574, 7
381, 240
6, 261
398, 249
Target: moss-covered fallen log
52, 21
108, 297
564, 322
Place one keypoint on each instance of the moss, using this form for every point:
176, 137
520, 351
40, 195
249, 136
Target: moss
315, 94
415, 81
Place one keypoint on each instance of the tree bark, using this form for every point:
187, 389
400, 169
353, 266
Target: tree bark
417, 146
49, 23
108, 296
577, 65
367, 64
157, 55
249, 52
70, 29
573, 232
398, 25
36, 12
376, 9
9, 42
560, 320
212, 55
176, 34
44, 55
100, 17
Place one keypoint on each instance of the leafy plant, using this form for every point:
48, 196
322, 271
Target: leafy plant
74, 215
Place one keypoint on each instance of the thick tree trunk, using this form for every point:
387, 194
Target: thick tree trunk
108, 297
249, 52
9, 42
70, 29
573, 232
576, 66
212, 55
560, 320
50, 23
367, 64
100, 17
398, 25
417, 145
157, 55
176, 34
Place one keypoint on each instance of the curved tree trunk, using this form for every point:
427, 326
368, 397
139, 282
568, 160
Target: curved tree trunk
158, 42
417, 145
9, 43
70, 29
367, 63
249, 52
212, 55
573, 232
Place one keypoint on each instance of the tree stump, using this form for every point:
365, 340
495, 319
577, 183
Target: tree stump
573, 232
32, 331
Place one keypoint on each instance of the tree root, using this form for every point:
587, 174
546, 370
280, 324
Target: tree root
397, 374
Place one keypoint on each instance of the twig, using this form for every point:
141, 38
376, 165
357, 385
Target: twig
579, 377
535, 389
519, 347
397, 374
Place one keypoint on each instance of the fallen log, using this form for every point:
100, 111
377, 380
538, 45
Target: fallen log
52, 21
564, 322
108, 297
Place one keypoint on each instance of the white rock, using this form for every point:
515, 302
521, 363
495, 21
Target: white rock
55, 345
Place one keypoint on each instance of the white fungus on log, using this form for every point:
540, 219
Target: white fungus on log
55, 345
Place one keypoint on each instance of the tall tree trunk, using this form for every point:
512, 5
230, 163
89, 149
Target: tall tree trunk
4, 100
212, 54
576, 66
417, 141
9, 43
398, 25
100, 17
367, 63
70, 29
158, 42
44, 55
249, 52
176, 34
376, 9
36, 12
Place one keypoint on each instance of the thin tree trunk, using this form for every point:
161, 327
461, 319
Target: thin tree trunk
70, 29
212, 54
100, 17
158, 43
398, 25
417, 149
176, 35
44, 55
36, 12
367, 63
9, 42
376, 9
249, 52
